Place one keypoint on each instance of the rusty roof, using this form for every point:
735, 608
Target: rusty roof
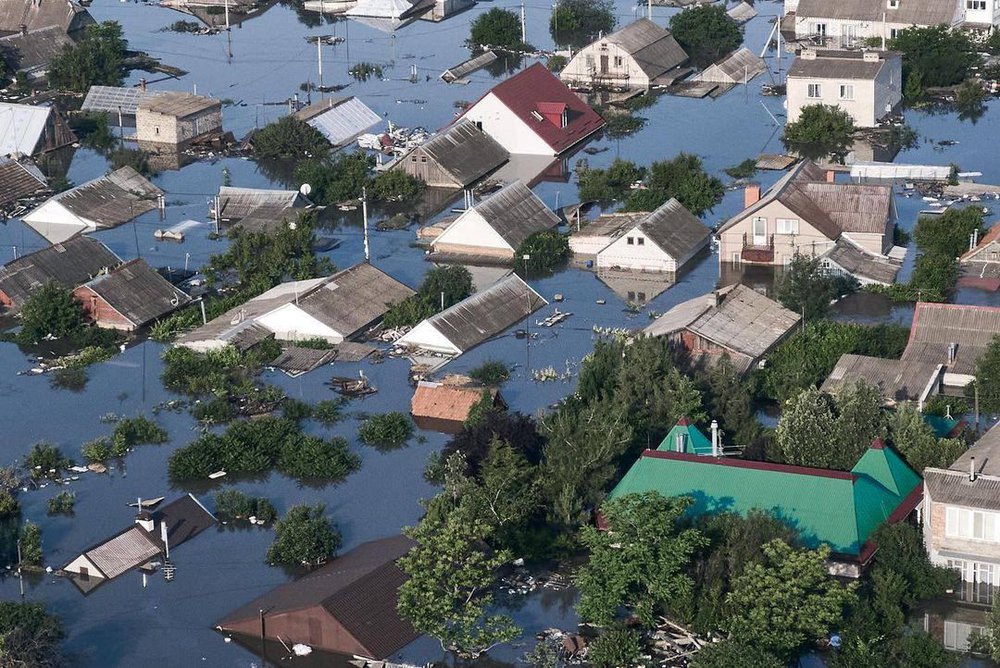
936, 326
988, 239
445, 402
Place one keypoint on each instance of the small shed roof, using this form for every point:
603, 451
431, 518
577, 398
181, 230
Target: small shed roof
238, 203
897, 380
359, 589
742, 12
177, 104
673, 228
862, 264
339, 119
738, 67
69, 264
106, 201
515, 212
445, 402
465, 152
21, 127
936, 326
652, 47
137, 292
112, 99
33, 51
19, 179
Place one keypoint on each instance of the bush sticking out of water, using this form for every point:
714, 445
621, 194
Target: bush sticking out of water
46, 461
183, 26
9, 507
31, 546
745, 170
258, 446
364, 71
546, 249
289, 137
233, 505
97, 451
329, 411
295, 410
62, 503
387, 430
224, 372
213, 411
140, 430
491, 372
303, 536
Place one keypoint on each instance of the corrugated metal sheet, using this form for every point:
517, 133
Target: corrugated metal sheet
515, 212
862, 265
340, 120
823, 67
653, 48
935, 326
987, 453
897, 380
112, 99
465, 152
238, 203
381, 9
21, 128
737, 67
468, 67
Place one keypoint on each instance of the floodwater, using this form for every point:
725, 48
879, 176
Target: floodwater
124, 623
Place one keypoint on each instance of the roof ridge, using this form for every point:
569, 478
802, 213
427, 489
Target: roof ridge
774, 467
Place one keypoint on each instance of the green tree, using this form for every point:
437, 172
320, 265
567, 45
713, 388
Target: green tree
288, 137
915, 440
29, 636
948, 234
683, 178
987, 381
448, 594
611, 184
497, 28
992, 633
970, 100
576, 23
31, 545
819, 131
731, 402
441, 288
304, 536
641, 563
386, 430
507, 492
96, 60
706, 32
941, 56
731, 654
51, 310
616, 647
342, 178
787, 601
547, 250
395, 185
807, 288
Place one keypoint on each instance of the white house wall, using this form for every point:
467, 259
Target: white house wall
588, 245
54, 213
496, 120
471, 229
290, 323
621, 66
647, 257
426, 337
81, 562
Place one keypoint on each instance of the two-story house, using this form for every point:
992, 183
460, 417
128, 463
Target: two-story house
847, 23
868, 85
807, 212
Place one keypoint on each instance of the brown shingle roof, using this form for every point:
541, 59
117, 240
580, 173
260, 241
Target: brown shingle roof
935, 326
69, 264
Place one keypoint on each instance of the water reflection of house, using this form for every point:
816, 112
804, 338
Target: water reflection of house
348, 606
734, 321
961, 515
213, 12
957, 624
980, 265
636, 287
636, 56
839, 509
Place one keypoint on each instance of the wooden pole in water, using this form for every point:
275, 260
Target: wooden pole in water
364, 215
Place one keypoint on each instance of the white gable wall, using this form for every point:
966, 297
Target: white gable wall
82, 565
641, 255
471, 229
496, 120
54, 213
290, 323
426, 337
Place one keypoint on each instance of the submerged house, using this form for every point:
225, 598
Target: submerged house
348, 606
849, 259
30, 52
67, 264
638, 56
455, 158
105, 202
30, 15
807, 212
259, 209
735, 321
738, 67
533, 112
848, 24
897, 380
19, 179
145, 541
115, 100
339, 119
494, 229
839, 509
475, 319
128, 297
28, 131
955, 335
333, 308
446, 406
175, 119
868, 85
980, 265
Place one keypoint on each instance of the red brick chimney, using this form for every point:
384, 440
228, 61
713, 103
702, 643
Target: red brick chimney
831, 176
751, 195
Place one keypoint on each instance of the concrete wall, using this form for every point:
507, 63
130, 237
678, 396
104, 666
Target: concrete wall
496, 120
808, 241
164, 129
605, 62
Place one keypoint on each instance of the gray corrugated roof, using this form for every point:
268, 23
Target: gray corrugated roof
69, 264
515, 212
112, 99
238, 203
987, 453
907, 12
339, 119
138, 292
677, 231
678, 317
654, 49
177, 104
738, 66
107, 201
133, 547
465, 152
955, 488
33, 51
898, 380
21, 127
34, 15
742, 12
18, 180
935, 326
488, 313
858, 263
353, 298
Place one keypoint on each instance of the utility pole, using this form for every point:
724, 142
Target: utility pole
319, 61
524, 34
649, 10
527, 319
20, 577
227, 15
364, 215
217, 213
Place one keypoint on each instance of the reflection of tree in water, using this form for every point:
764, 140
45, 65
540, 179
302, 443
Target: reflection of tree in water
504, 65
280, 171
306, 18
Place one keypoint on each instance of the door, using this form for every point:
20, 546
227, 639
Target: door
760, 231
604, 63
850, 35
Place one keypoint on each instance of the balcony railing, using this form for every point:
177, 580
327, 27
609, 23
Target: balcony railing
756, 252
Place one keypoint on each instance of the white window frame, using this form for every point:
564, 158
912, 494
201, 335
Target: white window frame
846, 91
976, 525
975, 5
787, 225
819, 29
755, 238
814, 91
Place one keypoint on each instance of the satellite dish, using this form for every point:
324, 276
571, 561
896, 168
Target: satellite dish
305, 189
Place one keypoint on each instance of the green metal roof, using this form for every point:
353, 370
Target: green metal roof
836, 508
692, 441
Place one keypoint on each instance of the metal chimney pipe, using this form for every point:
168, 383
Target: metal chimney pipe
715, 439
972, 469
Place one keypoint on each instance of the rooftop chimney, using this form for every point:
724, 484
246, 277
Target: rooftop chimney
145, 520
831, 176
716, 450
972, 469
952, 350
751, 195
680, 442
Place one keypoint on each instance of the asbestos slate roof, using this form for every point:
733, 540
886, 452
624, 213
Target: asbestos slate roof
909, 12
935, 326
33, 14
897, 380
69, 264
138, 292
33, 52
742, 12
515, 212
123, 552
177, 104
746, 321
239, 203
677, 231
955, 488
339, 119
18, 180
111, 99
861, 264
107, 201
359, 589
839, 65
21, 127
654, 49
465, 152
350, 300
734, 68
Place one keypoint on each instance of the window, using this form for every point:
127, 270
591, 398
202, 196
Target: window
788, 226
423, 158
641, 241
975, 5
846, 91
972, 525
631, 296
590, 62
642, 296
893, 4
819, 29
630, 241
619, 61
413, 158
736, 258
815, 90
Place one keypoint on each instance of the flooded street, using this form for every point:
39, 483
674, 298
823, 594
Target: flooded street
123, 622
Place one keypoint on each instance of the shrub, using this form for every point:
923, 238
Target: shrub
329, 411
9, 507
97, 450
546, 249
683, 178
31, 545
313, 457
295, 410
338, 179
820, 130
617, 646
46, 461
937, 55
51, 310
442, 287
500, 28
97, 59
745, 170
388, 430
130, 432
233, 504
289, 137
364, 71
706, 32
303, 536
62, 503
611, 184
395, 185
491, 372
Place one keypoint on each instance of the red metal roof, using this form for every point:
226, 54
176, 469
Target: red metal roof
535, 89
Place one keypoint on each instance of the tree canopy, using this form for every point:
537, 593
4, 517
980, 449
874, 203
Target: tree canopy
807, 288
706, 32
613, 184
577, 22
303, 536
915, 440
29, 636
820, 130
499, 28
683, 177
546, 249
288, 137
96, 60
988, 377
441, 288
936, 55
51, 310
